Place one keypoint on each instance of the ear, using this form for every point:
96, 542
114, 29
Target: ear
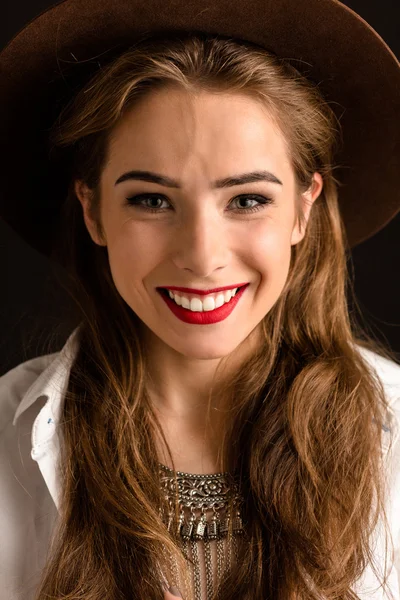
308, 199
84, 195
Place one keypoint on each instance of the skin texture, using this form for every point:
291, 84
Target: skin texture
169, 596
200, 240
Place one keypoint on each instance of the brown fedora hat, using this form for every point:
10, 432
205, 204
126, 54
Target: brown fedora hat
48, 60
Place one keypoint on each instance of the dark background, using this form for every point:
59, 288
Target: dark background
33, 304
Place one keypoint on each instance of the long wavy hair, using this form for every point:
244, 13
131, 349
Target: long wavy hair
303, 430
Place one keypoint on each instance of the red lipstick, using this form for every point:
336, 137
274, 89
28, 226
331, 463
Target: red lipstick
202, 317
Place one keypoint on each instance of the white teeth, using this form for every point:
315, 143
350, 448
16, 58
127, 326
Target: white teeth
196, 305
209, 303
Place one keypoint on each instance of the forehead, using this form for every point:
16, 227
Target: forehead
226, 132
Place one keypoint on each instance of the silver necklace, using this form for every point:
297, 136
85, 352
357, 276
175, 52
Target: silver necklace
203, 525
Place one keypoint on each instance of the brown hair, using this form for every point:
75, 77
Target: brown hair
306, 414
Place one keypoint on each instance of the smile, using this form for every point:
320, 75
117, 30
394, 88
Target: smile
196, 303
212, 309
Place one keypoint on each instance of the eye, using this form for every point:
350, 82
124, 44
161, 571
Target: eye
139, 200
262, 201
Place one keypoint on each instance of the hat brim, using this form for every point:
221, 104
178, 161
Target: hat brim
356, 71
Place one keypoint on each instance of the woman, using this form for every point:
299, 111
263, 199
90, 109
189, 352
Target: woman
217, 426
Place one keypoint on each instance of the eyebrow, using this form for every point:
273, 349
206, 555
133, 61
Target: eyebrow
219, 183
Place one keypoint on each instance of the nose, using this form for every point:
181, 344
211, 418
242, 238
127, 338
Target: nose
202, 244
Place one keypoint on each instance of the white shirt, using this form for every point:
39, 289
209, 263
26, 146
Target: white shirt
30, 407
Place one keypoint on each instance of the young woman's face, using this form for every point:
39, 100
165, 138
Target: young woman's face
201, 235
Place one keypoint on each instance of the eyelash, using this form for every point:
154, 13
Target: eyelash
136, 200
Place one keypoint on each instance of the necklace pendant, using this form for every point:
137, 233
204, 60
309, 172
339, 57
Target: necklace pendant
186, 531
237, 525
224, 527
215, 492
200, 528
212, 528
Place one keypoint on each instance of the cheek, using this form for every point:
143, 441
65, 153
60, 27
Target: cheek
270, 244
270, 250
133, 254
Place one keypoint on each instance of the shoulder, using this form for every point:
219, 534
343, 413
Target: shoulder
27, 511
15, 383
388, 373
386, 369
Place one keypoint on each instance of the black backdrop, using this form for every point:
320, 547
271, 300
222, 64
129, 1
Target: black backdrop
32, 303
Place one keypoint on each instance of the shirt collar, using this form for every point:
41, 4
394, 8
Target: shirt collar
52, 382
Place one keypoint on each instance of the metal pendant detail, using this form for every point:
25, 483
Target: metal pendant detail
187, 529
212, 528
237, 525
204, 502
204, 494
200, 528
223, 530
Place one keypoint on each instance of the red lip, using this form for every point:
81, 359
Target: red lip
203, 317
204, 292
